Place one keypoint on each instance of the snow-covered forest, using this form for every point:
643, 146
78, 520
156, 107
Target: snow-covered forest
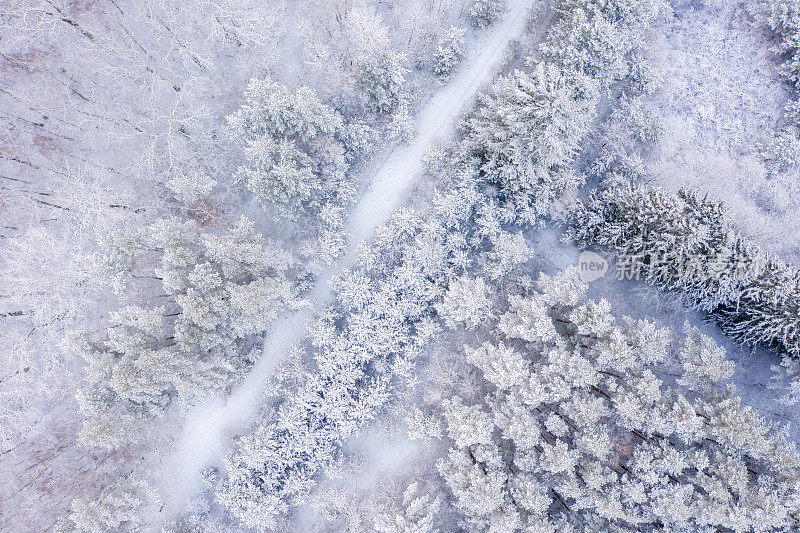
403, 266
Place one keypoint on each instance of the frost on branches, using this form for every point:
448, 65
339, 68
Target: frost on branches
417, 515
119, 508
683, 243
526, 132
381, 79
299, 150
783, 18
365, 348
781, 150
598, 37
576, 432
449, 52
222, 289
522, 137
529, 128
484, 13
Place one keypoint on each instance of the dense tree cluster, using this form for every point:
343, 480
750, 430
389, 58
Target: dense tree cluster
783, 17
365, 348
577, 422
222, 289
599, 37
105, 102
521, 139
417, 513
781, 150
576, 432
527, 131
299, 150
683, 243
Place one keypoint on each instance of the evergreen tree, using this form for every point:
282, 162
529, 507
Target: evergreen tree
449, 52
224, 290
783, 17
525, 132
382, 79
575, 431
596, 37
684, 244
484, 13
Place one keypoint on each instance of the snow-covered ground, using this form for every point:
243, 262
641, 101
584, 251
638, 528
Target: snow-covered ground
206, 431
719, 95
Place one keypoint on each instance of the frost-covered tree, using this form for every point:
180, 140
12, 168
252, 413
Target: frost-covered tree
223, 289
684, 244
576, 431
597, 37
466, 301
363, 349
623, 139
526, 131
417, 514
381, 78
300, 151
401, 127
449, 52
121, 507
783, 18
196, 517
780, 151
297, 146
191, 187
484, 13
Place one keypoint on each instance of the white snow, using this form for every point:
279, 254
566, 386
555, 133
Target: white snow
721, 94
202, 443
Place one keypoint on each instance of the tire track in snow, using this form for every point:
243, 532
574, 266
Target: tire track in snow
202, 442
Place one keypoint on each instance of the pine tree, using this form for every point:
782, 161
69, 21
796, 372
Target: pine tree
484, 13
401, 127
783, 18
466, 301
596, 37
449, 52
527, 130
684, 244
575, 430
382, 79
223, 288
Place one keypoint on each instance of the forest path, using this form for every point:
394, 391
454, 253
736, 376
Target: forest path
205, 431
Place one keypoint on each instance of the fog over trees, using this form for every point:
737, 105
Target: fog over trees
410, 266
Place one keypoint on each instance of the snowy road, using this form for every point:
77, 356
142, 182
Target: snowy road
205, 432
